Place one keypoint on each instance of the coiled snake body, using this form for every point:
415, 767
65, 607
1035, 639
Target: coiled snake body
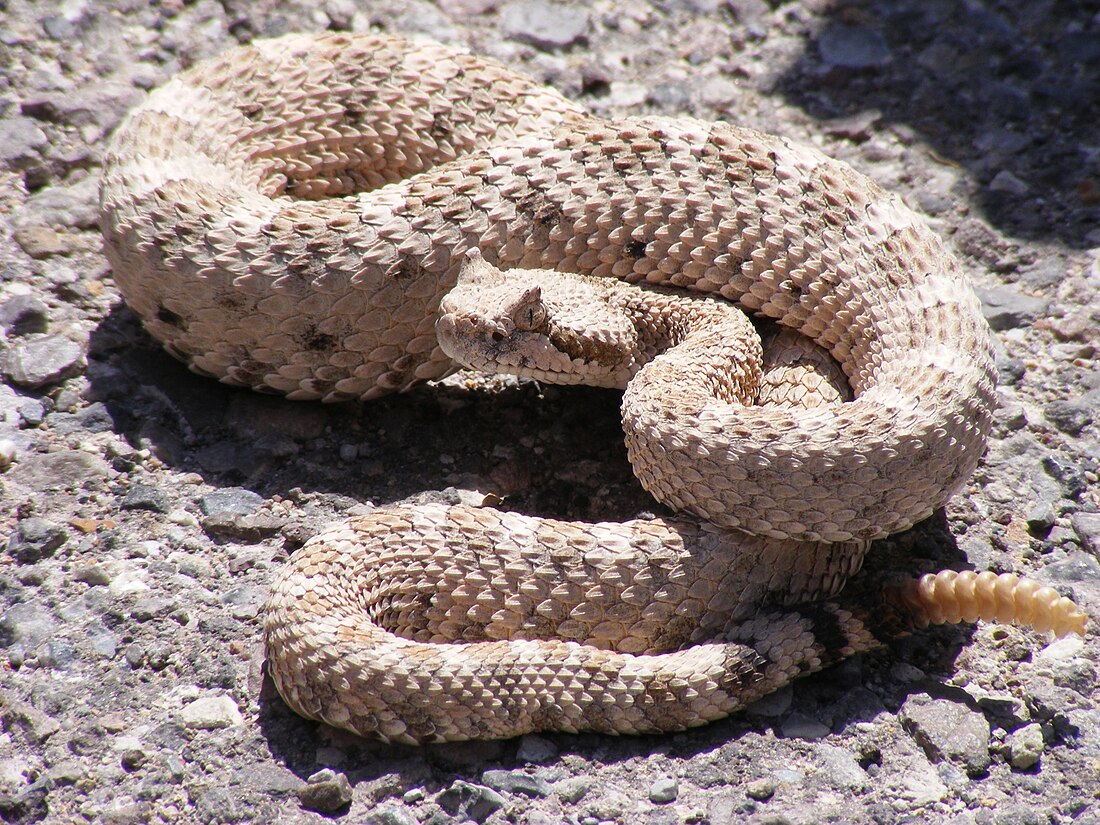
289, 216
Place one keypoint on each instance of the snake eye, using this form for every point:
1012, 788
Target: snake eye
530, 318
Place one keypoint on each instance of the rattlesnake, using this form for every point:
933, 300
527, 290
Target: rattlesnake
289, 216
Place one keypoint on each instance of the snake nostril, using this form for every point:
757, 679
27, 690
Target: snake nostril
497, 336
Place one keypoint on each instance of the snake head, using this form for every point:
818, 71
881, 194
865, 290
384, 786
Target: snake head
534, 323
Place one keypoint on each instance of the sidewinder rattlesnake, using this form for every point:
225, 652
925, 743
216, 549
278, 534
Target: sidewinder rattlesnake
290, 215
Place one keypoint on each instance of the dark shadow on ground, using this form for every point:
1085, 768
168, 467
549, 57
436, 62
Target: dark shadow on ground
525, 443
1008, 89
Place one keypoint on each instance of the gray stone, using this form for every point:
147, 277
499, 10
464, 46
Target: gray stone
1007, 183
212, 804
29, 804
32, 723
516, 782
1068, 416
20, 141
57, 654
101, 104
42, 361
1025, 747
233, 501
67, 772
390, 814
573, 789
72, 206
1040, 517
664, 790
1076, 567
469, 801
244, 601
103, 642
948, 730
24, 315
1066, 472
34, 539
246, 528
1005, 308
63, 470
544, 25
146, 497
26, 624
1087, 528
32, 412
132, 759
841, 767
40, 241
671, 97
151, 607
326, 792
853, 47
271, 778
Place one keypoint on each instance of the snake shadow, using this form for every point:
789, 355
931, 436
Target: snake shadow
532, 447
1010, 91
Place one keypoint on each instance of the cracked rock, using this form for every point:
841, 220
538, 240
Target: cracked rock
948, 730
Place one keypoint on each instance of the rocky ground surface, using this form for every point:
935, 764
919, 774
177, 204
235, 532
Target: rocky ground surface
145, 510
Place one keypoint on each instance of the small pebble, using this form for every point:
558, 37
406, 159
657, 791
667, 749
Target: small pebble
326, 792
23, 315
8, 453
516, 782
664, 790
211, 713
573, 789
1025, 747
761, 789
1087, 528
390, 814
1068, 416
35, 539
469, 801
32, 412
1005, 308
146, 497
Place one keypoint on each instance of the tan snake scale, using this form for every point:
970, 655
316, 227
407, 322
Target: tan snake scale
289, 216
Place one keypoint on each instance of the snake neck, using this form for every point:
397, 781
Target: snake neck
707, 347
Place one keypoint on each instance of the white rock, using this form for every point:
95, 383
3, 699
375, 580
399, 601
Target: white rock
211, 712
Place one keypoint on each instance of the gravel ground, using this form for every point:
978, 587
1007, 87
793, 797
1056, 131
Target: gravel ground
145, 509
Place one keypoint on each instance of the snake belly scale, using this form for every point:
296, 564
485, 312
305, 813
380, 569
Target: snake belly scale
288, 217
